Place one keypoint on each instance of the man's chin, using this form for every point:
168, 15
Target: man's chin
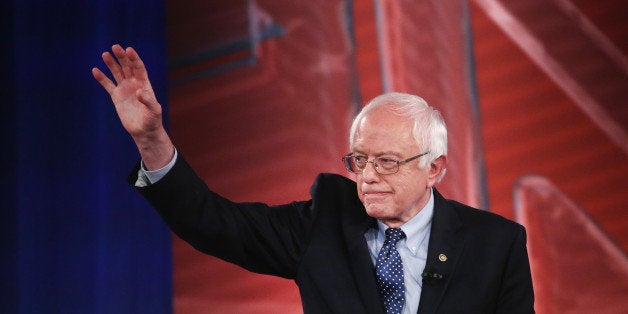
377, 211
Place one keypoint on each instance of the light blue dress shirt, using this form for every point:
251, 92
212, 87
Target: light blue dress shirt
146, 177
413, 251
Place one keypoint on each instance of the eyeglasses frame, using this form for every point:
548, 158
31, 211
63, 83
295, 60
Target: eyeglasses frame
376, 166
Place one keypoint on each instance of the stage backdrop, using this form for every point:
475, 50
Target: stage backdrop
75, 238
262, 93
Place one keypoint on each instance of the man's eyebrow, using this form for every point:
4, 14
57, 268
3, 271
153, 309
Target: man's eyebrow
378, 154
389, 153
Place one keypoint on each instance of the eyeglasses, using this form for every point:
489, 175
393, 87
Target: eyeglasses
382, 165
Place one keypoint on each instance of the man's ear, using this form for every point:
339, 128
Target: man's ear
438, 167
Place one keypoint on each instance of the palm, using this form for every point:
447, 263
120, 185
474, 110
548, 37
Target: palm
132, 94
136, 116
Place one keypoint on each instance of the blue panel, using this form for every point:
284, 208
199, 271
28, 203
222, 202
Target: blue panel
81, 240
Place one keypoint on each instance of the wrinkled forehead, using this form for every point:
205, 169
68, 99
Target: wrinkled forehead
382, 130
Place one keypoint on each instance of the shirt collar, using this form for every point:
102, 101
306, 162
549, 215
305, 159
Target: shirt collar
416, 227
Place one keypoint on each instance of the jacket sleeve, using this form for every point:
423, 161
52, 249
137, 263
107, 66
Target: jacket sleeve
258, 237
516, 293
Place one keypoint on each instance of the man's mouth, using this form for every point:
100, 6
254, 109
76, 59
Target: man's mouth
375, 194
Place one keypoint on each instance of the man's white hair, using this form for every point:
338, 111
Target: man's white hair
429, 130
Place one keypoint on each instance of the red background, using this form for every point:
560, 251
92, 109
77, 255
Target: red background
534, 93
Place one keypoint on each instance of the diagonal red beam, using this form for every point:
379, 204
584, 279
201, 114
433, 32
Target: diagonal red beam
574, 54
569, 251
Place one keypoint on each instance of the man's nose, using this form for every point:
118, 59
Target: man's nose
370, 174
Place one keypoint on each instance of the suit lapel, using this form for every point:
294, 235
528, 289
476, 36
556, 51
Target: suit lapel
445, 246
357, 222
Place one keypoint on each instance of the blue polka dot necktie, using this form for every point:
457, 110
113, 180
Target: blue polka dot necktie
390, 272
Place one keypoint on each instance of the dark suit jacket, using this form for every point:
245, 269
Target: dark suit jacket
320, 244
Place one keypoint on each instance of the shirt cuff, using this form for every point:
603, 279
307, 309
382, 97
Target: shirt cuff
146, 177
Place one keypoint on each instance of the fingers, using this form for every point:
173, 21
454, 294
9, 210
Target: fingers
124, 62
103, 80
137, 65
124, 65
114, 66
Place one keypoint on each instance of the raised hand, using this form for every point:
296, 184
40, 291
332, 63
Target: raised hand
136, 104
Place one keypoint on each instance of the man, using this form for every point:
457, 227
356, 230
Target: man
395, 246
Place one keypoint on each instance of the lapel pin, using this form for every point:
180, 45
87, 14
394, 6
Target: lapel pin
442, 257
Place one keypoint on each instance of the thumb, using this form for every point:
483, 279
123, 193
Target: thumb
147, 98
